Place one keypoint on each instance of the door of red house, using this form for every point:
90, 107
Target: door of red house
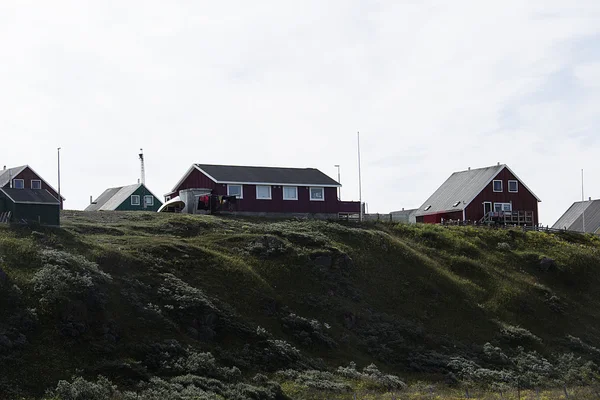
487, 207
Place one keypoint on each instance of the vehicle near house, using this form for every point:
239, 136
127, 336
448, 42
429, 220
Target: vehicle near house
24, 177
24, 206
262, 191
126, 198
582, 216
484, 195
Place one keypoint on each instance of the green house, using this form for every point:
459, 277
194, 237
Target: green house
126, 198
29, 205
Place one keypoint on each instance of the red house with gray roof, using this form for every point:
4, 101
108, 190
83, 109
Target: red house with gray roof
268, 190
24, 177
483, 195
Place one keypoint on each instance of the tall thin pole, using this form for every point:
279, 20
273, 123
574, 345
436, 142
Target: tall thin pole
583, 200
359, 179
59, 197
339, 181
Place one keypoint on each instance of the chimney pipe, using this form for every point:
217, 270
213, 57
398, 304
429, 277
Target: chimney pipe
143, 170
90, 199
469, 168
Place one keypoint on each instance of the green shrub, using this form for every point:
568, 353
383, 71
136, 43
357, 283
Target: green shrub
516, 335
65, 278
80, 389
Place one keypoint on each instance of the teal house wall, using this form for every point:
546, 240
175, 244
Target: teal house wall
142, 191
30, 205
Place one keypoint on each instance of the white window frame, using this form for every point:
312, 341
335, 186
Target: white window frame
241, 196
149, 196
18, 180
494, 186
290, 187
316, 199
135, 196
263, 198
502, 207
517, 187
36, 180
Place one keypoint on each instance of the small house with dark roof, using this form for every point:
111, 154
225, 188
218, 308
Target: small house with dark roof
582, 216
268, 191
29, 206
126, 198
24, 177
483, 195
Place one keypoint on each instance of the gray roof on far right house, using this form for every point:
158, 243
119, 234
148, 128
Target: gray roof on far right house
573, 218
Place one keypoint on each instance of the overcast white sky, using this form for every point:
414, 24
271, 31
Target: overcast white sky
433, 87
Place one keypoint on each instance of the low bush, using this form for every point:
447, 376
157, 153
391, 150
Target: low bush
516, 335
65, 278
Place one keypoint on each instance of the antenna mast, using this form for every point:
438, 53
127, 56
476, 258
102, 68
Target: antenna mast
142, 165
583, 201
360, 215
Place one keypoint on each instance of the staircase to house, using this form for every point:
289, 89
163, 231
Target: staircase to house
5, 217
508, 218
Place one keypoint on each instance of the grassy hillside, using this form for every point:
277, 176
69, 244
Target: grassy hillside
193, 307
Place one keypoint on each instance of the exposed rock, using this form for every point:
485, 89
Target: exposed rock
267, 246
349, 320
5, 344
344, 262
3, 278
547, 264
323, 261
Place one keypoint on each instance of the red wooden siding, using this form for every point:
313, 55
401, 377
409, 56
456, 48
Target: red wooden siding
437, 218
250, 203
28, 175
195, 180
523, 200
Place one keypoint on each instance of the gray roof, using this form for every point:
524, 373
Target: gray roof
462, 187
267, 175
112, 198
572, 219
30, 196
7, 174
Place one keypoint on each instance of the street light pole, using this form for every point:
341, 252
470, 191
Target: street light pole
339, 181
583, 202
59, 197
359, 179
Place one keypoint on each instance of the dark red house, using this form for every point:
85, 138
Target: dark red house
24, 177
483, 195
267, 190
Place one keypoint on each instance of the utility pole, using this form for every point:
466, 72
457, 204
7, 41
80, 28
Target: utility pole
359, 179
59, 197
340, 182
583, 202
